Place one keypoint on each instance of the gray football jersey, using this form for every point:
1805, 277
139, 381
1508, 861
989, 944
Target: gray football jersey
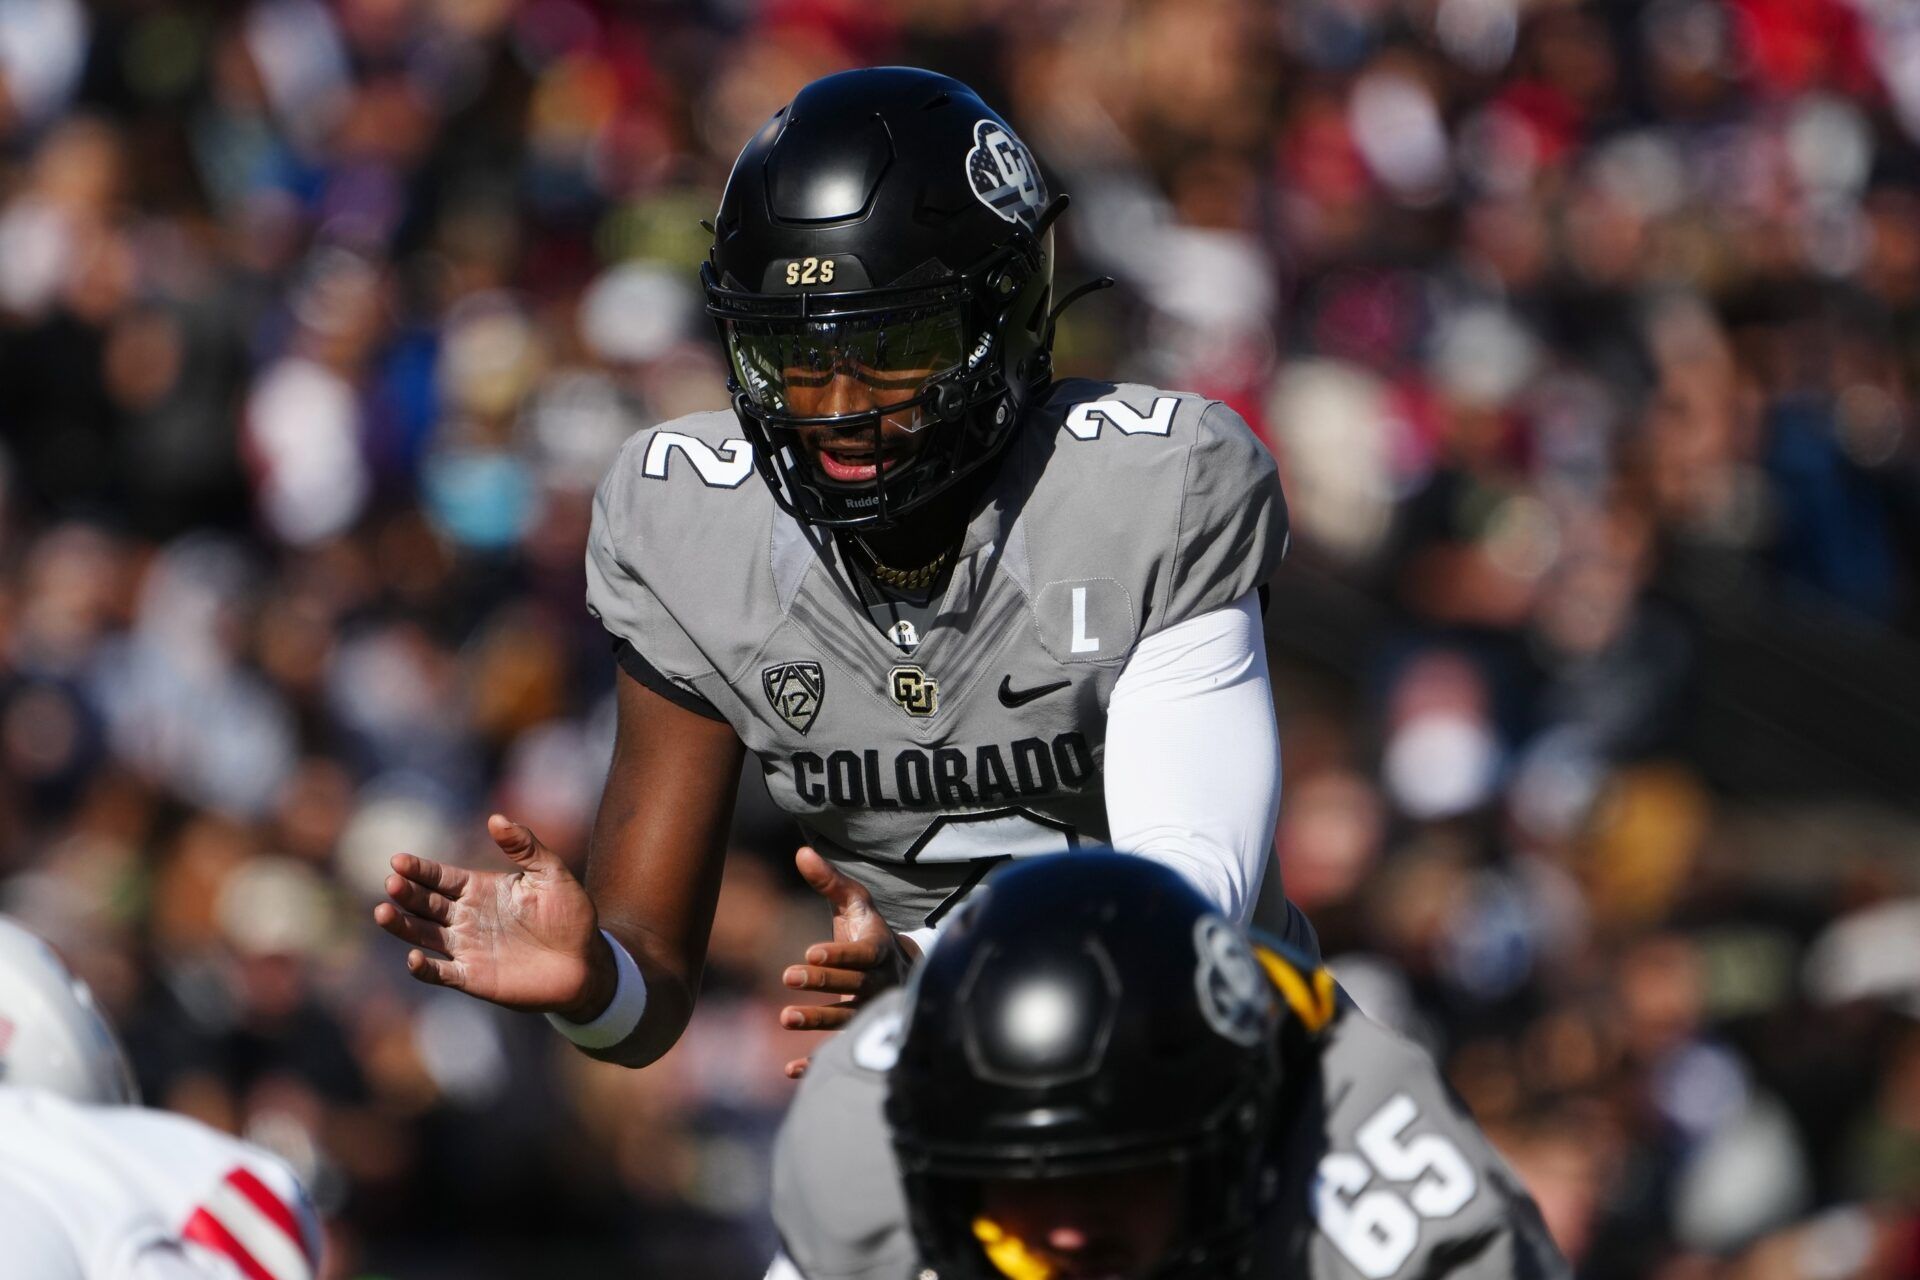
1119, 510
1384, 1176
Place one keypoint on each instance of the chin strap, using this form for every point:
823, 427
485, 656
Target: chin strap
1053, 316
1009, 1255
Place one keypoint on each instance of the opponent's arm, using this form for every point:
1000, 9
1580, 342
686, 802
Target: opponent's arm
530, 939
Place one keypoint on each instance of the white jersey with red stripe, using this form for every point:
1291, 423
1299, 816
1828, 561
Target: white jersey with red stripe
124, 1193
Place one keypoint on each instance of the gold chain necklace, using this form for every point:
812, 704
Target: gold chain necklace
907, 579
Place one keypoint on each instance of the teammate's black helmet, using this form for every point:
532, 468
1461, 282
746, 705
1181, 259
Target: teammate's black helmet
886, 225
1086, 1014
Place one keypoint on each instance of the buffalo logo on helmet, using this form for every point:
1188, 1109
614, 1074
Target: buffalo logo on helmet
1003, 175
1235, 998
794, 690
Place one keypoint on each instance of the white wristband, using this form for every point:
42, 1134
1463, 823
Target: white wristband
924, 938
622, 1014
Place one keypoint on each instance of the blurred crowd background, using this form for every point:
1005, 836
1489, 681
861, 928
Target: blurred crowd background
1587, 337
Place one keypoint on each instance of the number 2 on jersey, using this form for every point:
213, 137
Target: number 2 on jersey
726, 467
1377, 1230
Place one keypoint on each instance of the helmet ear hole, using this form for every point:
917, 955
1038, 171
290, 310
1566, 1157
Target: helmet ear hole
949, 402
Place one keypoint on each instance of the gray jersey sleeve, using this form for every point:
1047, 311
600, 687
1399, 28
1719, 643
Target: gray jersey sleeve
678, 562
836, 1189
617, 591
1401, 1184
1233, 519
1163, 499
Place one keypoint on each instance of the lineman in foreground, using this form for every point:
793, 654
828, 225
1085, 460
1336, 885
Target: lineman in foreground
1095, 1075
95, 1187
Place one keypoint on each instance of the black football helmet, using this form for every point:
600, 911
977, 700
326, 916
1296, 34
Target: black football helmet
1088, 1013
886, 225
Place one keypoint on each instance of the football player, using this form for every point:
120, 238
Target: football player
92, 1186
1096, 1075
957, 609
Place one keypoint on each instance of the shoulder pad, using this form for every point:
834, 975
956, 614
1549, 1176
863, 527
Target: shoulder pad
1167, 493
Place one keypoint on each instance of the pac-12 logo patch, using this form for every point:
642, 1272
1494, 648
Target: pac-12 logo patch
1002, 174
794, 690
1234, 996
916, 693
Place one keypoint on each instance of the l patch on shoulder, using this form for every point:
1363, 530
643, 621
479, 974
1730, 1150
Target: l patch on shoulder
1085, 620
794, 691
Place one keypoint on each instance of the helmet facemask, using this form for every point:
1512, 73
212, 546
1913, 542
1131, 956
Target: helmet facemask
863, 405
1174, 1211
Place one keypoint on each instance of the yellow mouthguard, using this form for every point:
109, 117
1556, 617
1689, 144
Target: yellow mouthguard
1009, 1255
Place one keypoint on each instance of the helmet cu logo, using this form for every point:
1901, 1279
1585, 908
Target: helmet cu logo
794, 690
916, 693
1234, 998
1003, 176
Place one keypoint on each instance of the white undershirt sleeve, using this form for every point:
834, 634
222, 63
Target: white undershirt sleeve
1193, 754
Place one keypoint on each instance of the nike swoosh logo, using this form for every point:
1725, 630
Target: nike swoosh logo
1009, 697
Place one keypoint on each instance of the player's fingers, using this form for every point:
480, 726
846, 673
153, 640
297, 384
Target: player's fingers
435, 973
840, 982
817, 1017
449, 880
867, 954
520, 844
420, 900
421, 933
797, 1068
827, 881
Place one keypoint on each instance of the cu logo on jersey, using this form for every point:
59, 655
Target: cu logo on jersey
794, 690
1002, 174
1234, 998
914, 691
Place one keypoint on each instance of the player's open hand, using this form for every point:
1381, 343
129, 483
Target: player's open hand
525, 938
864, 958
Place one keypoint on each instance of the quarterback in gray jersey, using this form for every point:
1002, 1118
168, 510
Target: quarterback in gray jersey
1117, 513
958, 610
1132, 1090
